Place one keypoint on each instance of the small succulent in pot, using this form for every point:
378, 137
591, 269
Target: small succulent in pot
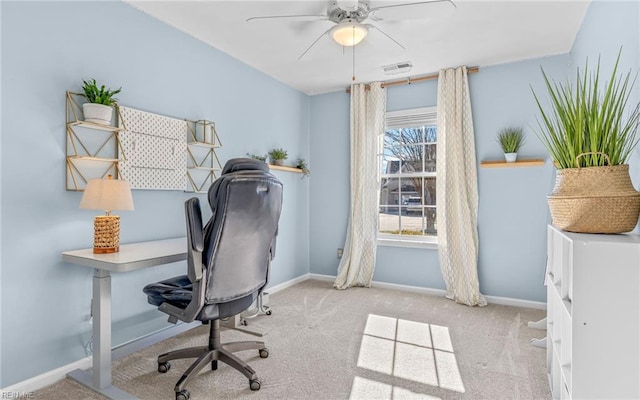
277, 156
99, 95
98, 108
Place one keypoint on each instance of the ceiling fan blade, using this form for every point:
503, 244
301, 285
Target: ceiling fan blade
406, 11
387, 35
314, 43
291, 17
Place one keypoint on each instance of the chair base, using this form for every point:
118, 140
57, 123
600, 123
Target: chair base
213, 353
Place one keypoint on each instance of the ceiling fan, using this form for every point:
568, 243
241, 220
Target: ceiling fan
349, 17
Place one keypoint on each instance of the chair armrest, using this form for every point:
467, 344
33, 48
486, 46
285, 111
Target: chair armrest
195, 239
272, 249
189, 313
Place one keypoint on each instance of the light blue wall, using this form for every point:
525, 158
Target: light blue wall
48, 48
329, 192
512, 210
45, 51
607, 27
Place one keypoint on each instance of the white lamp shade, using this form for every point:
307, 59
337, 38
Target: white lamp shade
349, 33
107, 194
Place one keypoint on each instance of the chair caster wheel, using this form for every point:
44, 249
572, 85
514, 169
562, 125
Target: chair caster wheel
164, 367
268, 312
254, 384
182, 395
264, 353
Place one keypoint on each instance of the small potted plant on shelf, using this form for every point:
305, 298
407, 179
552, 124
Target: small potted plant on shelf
511, 139
98, 108
301, 164
277, 156
257, 157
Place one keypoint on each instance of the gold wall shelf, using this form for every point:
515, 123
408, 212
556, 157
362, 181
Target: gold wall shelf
202, 161
532, 162
92, 150
206, 145
99, 127
283, 168
95, 150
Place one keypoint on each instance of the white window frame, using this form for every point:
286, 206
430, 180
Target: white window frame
404, 119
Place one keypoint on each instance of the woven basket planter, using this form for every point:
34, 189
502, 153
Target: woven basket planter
594, 200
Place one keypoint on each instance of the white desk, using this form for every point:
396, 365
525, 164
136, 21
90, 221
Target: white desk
131, 257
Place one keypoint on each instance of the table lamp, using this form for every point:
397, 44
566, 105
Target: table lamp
106, 194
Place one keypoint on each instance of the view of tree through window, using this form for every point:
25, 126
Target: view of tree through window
408, 182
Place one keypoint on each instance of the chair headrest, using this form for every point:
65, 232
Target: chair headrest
244, 164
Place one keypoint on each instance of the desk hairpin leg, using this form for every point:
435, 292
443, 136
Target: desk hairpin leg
99, 378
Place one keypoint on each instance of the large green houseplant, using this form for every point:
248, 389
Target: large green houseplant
590, 130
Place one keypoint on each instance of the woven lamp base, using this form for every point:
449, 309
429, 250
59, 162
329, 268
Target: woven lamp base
106, 234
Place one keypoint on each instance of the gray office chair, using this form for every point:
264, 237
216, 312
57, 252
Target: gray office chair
228, 265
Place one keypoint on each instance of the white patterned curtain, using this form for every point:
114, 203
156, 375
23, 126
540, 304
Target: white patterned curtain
367, 130
457, 183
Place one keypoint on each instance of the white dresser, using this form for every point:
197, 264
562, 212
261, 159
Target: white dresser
593, 315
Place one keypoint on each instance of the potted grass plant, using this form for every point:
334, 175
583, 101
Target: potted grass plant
510, 139
100, 101
590, 129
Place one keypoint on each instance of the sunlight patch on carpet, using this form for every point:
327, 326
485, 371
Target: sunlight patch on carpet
376, 354
409, 350
367, 389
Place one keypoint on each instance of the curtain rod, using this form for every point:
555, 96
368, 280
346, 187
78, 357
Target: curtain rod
410, 80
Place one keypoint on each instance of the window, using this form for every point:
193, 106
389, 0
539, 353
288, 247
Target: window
407, 211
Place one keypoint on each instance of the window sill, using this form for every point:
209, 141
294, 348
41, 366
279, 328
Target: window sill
432, 244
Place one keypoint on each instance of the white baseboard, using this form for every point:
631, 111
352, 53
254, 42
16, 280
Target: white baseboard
158, 336
48, 378
507, 301
53, 376
319, 277
407, 288
289, 283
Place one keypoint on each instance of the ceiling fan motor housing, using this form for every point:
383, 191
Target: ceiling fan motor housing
348, 5
338, 14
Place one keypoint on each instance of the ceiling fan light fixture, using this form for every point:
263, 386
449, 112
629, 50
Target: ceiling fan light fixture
349, 33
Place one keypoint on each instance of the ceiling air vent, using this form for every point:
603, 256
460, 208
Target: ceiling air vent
398, 68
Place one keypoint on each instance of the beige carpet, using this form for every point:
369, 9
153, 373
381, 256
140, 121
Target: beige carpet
415, 347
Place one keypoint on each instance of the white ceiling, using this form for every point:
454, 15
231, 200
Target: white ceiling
473, 33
